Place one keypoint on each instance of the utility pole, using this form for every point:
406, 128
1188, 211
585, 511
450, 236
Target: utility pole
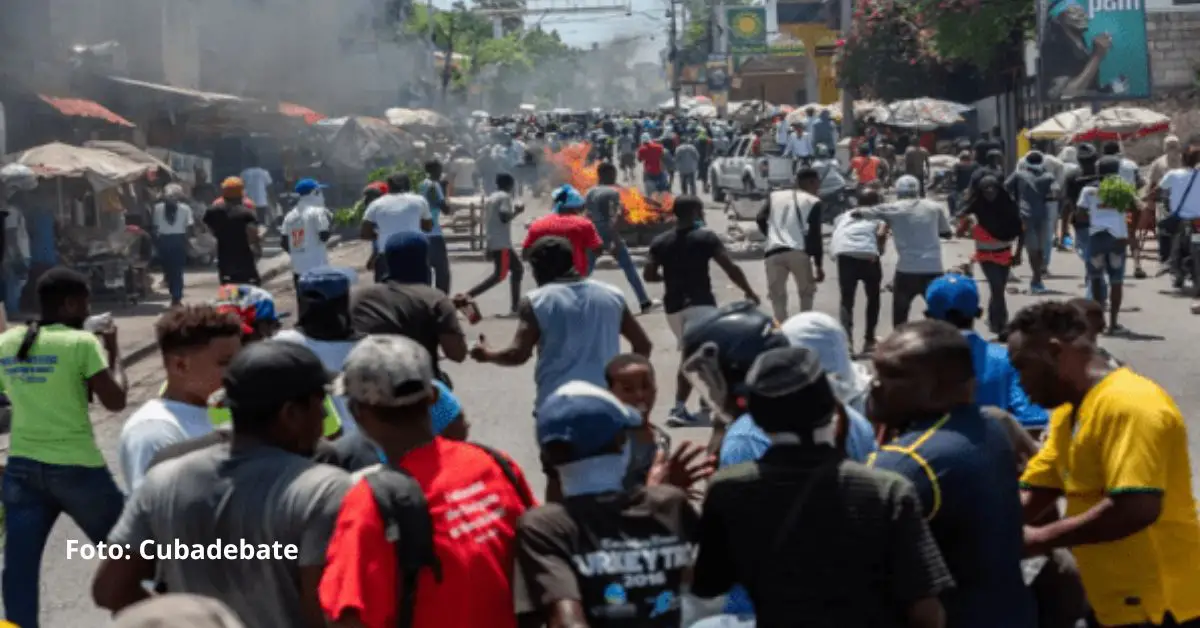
847, 15
673, 45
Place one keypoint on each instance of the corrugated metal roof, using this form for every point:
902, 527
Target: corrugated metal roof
300, 111
84, 109
211, 97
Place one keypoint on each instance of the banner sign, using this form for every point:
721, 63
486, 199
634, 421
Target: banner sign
747, 28
1091, 50
717, 72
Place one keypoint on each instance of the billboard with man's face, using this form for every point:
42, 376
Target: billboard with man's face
1092, 50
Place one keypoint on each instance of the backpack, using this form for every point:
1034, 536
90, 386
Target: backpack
409, 528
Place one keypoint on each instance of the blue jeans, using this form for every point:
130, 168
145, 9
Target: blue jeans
1105, 262
655, 183
34, 495
14, 285
1081, 243
625, 261
172, 254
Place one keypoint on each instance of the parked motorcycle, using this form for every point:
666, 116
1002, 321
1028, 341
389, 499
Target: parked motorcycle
835, 203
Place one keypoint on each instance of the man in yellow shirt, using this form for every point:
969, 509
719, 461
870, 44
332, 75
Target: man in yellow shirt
1117, 449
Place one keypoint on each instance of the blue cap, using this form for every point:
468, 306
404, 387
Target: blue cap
567, 197
326, 283
445, 409
584, 416
304, 187
952, 293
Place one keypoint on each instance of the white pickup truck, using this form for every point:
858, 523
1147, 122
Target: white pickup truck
740, 171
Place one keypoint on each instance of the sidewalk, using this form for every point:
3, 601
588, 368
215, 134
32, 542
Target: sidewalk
135, 323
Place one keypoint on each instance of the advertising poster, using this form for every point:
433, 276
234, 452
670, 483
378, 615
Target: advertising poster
1092, 50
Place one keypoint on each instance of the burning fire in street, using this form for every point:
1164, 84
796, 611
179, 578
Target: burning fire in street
639, 209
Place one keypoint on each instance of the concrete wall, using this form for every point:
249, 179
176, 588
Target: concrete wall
1172, 37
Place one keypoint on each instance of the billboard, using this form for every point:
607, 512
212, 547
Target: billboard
747, 28
1092, 50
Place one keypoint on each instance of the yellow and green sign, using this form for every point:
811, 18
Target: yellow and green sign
747, 27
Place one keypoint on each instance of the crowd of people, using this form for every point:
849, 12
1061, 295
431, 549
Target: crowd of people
325, 474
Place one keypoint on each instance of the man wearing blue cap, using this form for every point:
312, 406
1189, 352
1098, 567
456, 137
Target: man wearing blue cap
306, 229
572, 558
954, 298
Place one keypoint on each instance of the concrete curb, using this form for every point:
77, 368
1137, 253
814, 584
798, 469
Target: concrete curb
275, 270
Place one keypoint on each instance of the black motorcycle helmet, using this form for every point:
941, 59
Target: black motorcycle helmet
720, 346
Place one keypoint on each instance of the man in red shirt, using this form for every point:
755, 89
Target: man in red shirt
567, 222
650, 153
473, 503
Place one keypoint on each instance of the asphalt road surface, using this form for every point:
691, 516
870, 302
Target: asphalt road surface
497, 399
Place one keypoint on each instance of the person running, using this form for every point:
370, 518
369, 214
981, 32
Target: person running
857, 245
197, 343
1117, 451
996, 225
961, 461
171, 221
575, 324
260, 496
627, 154
563, 550
1107, 246
475, 498
791, 222
858, 525
51, 367
306, 230
406, 304
918, 226
398, 211
1034, 191
680, 258
652, 156
603, 206
954, 298
326, 327
499, 209
233, 223
434, 193
566, 222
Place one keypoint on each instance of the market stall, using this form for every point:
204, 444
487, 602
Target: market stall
93, 190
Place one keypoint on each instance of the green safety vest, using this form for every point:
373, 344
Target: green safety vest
218, 415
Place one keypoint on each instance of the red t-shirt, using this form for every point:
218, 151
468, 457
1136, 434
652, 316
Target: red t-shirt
651, 156
578, 229
474, 508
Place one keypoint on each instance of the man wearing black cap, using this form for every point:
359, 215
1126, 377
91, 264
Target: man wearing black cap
259, 499
860, 526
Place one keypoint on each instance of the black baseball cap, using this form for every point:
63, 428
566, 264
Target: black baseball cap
267, 374
789, 383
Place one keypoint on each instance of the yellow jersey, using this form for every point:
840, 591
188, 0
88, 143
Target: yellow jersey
1128, 436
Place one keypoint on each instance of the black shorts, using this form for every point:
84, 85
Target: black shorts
628, 160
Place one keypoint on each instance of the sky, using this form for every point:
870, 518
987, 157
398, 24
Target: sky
647, 22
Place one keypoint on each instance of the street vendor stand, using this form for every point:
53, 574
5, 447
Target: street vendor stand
92, 187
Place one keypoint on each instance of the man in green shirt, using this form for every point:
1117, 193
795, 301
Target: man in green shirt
49, 370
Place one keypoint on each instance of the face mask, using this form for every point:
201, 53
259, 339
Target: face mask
591, 476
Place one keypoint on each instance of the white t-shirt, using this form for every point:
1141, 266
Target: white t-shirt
257, 180
183, 219
856, 237
333, 358
153, 427
1176, 182
303, 226
1102, 218
397, 213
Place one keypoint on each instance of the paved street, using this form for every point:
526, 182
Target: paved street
497, 400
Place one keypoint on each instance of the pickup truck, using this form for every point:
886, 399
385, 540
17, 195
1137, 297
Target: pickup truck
740, 171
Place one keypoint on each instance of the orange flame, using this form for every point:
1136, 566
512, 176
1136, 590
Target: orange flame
638, 208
